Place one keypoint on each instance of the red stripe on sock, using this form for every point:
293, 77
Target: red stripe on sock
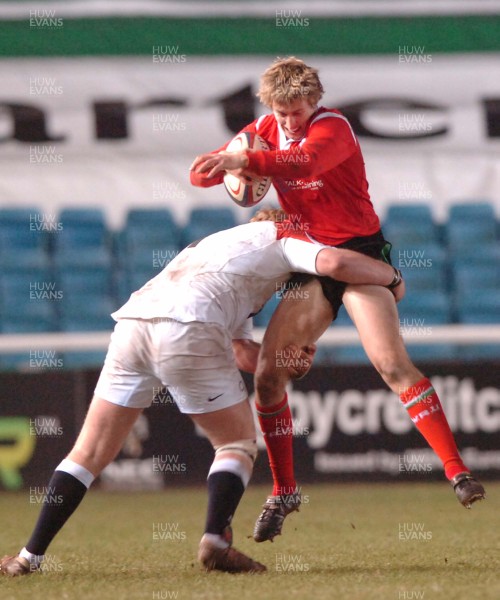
271, 410
429, 418
277, 428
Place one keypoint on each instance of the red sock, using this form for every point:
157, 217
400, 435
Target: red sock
426, 412
277, 427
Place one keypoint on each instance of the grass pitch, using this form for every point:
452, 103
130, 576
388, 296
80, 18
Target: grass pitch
356, 542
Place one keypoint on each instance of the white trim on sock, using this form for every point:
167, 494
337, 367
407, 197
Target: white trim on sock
79, 472
234, 466
217, 541
35, 560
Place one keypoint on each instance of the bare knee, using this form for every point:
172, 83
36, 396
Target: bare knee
396, 370
92, 459
103, 433
95, 458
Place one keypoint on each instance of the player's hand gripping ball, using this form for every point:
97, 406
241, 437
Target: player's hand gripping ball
251, 193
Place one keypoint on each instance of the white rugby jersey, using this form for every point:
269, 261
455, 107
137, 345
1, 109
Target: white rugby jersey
224, 278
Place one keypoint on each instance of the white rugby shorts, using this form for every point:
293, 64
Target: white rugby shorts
195, 361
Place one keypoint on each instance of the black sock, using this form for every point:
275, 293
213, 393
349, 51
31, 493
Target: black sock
224, 494
65, 494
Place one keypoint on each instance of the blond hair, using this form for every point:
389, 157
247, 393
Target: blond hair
287, 80
277, 215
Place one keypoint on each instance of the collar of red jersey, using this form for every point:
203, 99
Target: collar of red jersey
285, 143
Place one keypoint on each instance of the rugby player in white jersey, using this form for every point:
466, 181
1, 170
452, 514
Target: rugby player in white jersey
189, 329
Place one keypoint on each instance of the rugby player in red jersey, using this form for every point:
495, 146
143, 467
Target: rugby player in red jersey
318, 172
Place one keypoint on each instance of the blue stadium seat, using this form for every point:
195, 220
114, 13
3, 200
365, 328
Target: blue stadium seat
418, 256
87, 302
159, 223
23, 241
123, 286
23, 315
470, 226
478, 306
409, 212
83, 282
469, 278
418, 313
205, 221
20, 218
9, 213
82, 217
21, 235
409, 223
479, 255
129, 280
95, 320
138, 278
477, 290
17, 260
154, 238
465, 237
151, 261
149, 216
429, 307
479, 210
400, 234
194, 233
224, 217
86, 308
94, 317
80, 238
41, 323
30, 287
20, 316
85, 259
81, 229
421, 280
421, 263
146, 246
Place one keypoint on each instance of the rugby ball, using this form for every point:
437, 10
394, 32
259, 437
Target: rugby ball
251, 193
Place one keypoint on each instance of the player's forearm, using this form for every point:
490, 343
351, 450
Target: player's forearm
318, 155
201, 179
353, 267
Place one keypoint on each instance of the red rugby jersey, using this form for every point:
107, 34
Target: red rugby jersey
320, 180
